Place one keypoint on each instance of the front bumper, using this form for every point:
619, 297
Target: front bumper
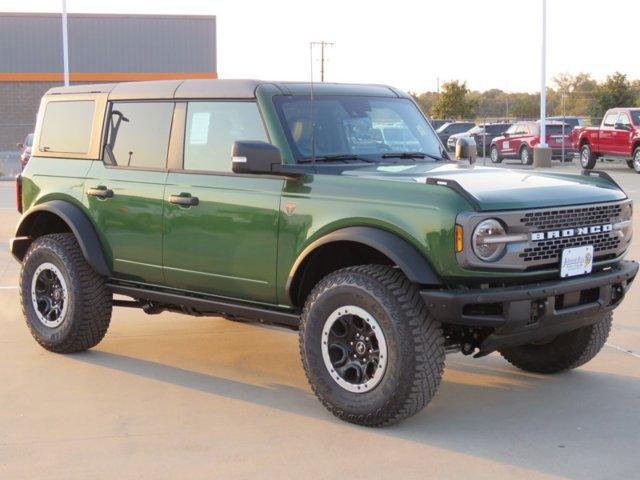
526, 313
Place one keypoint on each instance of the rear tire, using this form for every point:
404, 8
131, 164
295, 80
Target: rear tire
565, 352
67, 305
494, 154
413, 342
587, 157
635, 163
526, 157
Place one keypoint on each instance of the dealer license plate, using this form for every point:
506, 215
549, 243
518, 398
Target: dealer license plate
576, 261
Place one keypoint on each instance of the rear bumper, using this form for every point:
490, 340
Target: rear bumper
522, 314
568, 153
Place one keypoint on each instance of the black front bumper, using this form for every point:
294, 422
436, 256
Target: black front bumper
526, 313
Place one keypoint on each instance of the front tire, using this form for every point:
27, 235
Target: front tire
359, 321
565, 352
587, 157
67, 306
494, 154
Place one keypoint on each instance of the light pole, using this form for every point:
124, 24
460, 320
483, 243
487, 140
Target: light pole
322, 45
65, 44
542, 152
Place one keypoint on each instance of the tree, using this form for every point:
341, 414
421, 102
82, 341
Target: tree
578, 92
615, 92
425, 101
454, 101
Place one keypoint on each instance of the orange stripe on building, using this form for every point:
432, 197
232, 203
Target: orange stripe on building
102, 76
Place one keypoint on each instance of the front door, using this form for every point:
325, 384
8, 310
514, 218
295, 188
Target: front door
620, 142
607, 132
223, 241
125, 192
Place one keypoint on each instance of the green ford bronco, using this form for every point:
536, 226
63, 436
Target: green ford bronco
330, 209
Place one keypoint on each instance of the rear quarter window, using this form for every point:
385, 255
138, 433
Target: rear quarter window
67, 127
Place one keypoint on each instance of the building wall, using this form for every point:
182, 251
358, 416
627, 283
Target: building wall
18, 108
102, 49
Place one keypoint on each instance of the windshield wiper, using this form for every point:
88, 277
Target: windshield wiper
336, 158
411, 155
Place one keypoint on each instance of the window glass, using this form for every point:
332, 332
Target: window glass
610, 119
512, 129
497, 129
635, 114
138, 133
624, 119
212, 127
66, 127
354, 125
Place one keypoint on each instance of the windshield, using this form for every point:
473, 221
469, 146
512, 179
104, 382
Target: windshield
557, 129
368, 127
29, 140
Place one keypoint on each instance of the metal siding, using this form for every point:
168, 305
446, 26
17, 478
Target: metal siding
108, 43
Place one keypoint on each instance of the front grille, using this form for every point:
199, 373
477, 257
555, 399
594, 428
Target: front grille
572, 217
550, 250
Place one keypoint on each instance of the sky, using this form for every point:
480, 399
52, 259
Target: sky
408, 44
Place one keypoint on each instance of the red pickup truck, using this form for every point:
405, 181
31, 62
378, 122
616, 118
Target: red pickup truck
617, 137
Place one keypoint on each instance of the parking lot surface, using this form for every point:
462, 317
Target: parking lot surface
172, 396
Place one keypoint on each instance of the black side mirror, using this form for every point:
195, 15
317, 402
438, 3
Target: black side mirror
466, 148
622, 126
253, 156
20, 145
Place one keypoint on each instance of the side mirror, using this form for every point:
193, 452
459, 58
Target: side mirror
253, 156
20, 145
466, 148
622, 126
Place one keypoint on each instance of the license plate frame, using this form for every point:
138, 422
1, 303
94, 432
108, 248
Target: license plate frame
576, 261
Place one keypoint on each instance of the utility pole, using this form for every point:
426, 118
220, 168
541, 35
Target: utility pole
322, 45
542, 152
65, 44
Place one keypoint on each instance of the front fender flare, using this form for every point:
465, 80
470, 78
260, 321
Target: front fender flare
78, 223
407, 257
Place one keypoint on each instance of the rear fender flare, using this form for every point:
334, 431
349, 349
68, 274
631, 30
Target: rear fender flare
78, 223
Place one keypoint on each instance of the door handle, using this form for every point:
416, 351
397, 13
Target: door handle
100, 192
184, 199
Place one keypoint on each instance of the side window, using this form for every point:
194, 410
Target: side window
67, 126
512, 129
624, 119
610, 119
212, 127
138, 134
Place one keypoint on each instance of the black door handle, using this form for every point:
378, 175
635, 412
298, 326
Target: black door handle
100, 192
185, 200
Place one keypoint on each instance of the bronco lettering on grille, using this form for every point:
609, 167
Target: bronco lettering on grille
571, 232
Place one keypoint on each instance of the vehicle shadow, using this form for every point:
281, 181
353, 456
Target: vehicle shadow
573, 424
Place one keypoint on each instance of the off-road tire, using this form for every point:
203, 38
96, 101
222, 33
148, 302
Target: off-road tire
565, 352
587, 157
89, 300
415, 344
526, 155
494, 155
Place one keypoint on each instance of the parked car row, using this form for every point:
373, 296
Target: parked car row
521, 138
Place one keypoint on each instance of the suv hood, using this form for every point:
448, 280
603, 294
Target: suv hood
504, 189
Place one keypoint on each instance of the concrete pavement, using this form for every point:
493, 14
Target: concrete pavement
172, 396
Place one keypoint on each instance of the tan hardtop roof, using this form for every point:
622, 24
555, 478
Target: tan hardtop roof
210, 88
158, 89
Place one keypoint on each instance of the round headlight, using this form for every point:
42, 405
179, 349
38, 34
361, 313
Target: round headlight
483, 246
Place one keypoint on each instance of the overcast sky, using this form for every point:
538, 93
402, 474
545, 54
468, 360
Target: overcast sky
408, 44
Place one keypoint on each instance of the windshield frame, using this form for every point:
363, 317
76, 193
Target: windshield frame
366, 157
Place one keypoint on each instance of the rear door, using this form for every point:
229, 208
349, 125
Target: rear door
607, 131
125, 191
225, 242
